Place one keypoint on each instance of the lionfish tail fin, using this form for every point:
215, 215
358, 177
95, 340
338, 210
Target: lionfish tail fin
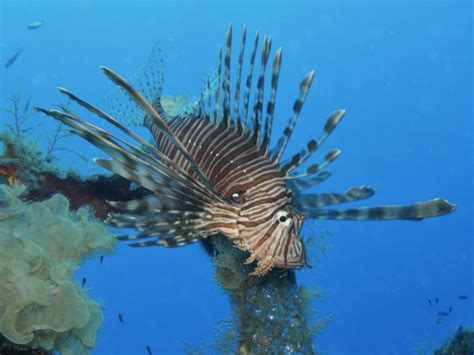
177, 240
415, 212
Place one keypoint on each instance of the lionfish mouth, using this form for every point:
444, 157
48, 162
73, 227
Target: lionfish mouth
210, 169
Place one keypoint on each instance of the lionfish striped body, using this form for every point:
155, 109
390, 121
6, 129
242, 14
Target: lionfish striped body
213, 173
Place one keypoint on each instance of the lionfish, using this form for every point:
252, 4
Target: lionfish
213, 172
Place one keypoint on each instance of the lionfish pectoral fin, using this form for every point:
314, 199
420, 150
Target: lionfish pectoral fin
326, 199
416, 212
170, 242
160, 124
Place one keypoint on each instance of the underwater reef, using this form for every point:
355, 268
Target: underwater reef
41, 246
272, 314
462, 343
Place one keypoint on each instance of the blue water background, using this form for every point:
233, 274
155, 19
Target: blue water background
403, 71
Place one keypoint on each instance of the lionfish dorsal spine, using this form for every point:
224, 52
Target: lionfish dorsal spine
258, 105
313, 145
271, 102
159, 121
238, 123
305, 85
226, 82
248, 82
135, 166
218, 89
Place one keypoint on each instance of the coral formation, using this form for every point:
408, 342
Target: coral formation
461, 343
41, 245
272, 313
22, 158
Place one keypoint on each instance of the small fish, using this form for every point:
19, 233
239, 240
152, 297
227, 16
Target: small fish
463, 297
429, 301
442, 313
120, 317
436, 299
148, 350
439, 320
35, 25
12, 59
101, 259
84, 280
27, 106
450, 310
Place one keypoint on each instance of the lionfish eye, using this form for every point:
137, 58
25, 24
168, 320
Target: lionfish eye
236, 197
282, 217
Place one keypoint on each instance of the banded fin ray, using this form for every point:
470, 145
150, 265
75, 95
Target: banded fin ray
160, 122
126, 164
177, 171
177, 240
226, 82
238, 123
416, 212
258, 105
313, 145
165, 188
104, 141
153, 222
305, 85
149, 79
299, 184
312, 169
306, 201
151, 203
218, 91
248, 82
271, 103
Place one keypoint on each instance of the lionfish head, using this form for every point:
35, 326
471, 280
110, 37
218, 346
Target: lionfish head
266, 224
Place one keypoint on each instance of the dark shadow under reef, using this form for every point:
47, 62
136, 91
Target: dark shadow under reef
8, 348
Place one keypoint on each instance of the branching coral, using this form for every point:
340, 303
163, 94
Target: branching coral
41, 245
23, 158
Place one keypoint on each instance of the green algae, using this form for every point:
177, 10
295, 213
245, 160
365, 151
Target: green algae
41, 246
